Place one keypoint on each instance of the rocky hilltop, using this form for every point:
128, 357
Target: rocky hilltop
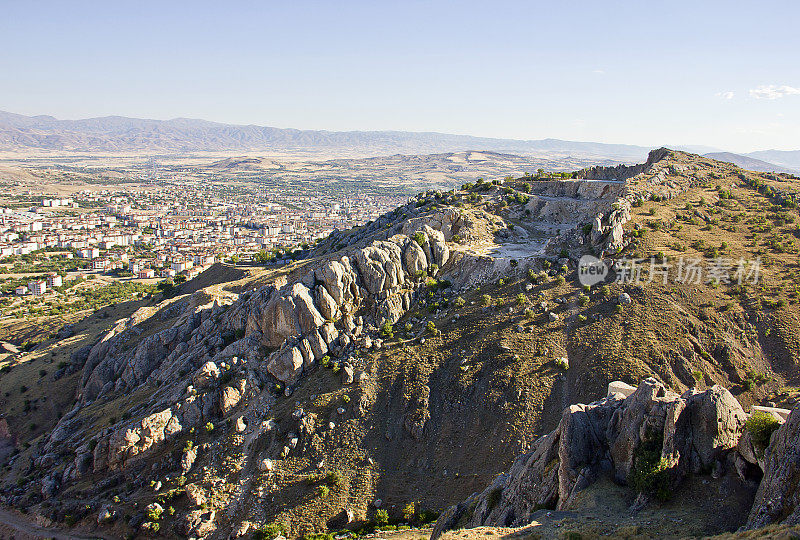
408, 361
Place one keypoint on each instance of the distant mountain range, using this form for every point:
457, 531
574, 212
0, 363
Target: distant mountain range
750, 163
183, 135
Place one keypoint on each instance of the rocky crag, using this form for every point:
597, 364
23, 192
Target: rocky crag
651, 440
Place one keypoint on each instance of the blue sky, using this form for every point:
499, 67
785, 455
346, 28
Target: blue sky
723, 74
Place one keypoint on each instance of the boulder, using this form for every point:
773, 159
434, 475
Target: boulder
414, 258
231, 395
286, 365
327, 305
347, 373
195, 494
778, 497
307, 314
318, 345
380, 265
187, 460
206, 376
696, 431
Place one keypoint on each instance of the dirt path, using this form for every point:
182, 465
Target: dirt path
13, 526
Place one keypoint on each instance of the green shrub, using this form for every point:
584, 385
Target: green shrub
761, 426
333, 479
650, 473
459, 302
387, 330
420, 238
409, 511
270, 531
381, 517
209, 427
486, 300
154, 514
323, 491
521, 299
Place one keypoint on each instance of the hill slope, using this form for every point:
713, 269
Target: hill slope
410, 360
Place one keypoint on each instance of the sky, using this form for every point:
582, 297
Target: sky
720, 74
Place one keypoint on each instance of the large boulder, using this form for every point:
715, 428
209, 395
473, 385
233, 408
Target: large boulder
286, 365
308, 316
693, 431
206, 376
414, 258
778, 496
380, 265
339, 280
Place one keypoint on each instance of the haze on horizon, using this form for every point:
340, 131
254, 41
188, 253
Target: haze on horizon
719, 74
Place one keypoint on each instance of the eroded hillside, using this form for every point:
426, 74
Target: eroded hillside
410, 360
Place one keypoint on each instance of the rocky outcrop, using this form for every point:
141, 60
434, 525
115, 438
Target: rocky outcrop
778, 496
694, 431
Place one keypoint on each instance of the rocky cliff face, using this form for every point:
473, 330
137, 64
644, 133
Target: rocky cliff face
778, 496
277, 331
650, 440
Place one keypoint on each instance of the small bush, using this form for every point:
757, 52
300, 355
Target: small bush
333, 479
381, 517
761, 426
387, 330
209, 427
486, 300
650, 472
270, 531
323, 491
420, 238
521, 299
459, 302
409, 511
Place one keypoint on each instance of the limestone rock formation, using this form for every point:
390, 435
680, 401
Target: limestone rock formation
778, 496
693, 431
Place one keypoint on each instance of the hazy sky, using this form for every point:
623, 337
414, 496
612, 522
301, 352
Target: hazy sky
725, 74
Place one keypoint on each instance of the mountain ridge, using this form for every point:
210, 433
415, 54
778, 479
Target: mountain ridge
120, 133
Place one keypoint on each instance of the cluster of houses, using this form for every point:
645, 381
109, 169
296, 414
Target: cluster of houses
38, 287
